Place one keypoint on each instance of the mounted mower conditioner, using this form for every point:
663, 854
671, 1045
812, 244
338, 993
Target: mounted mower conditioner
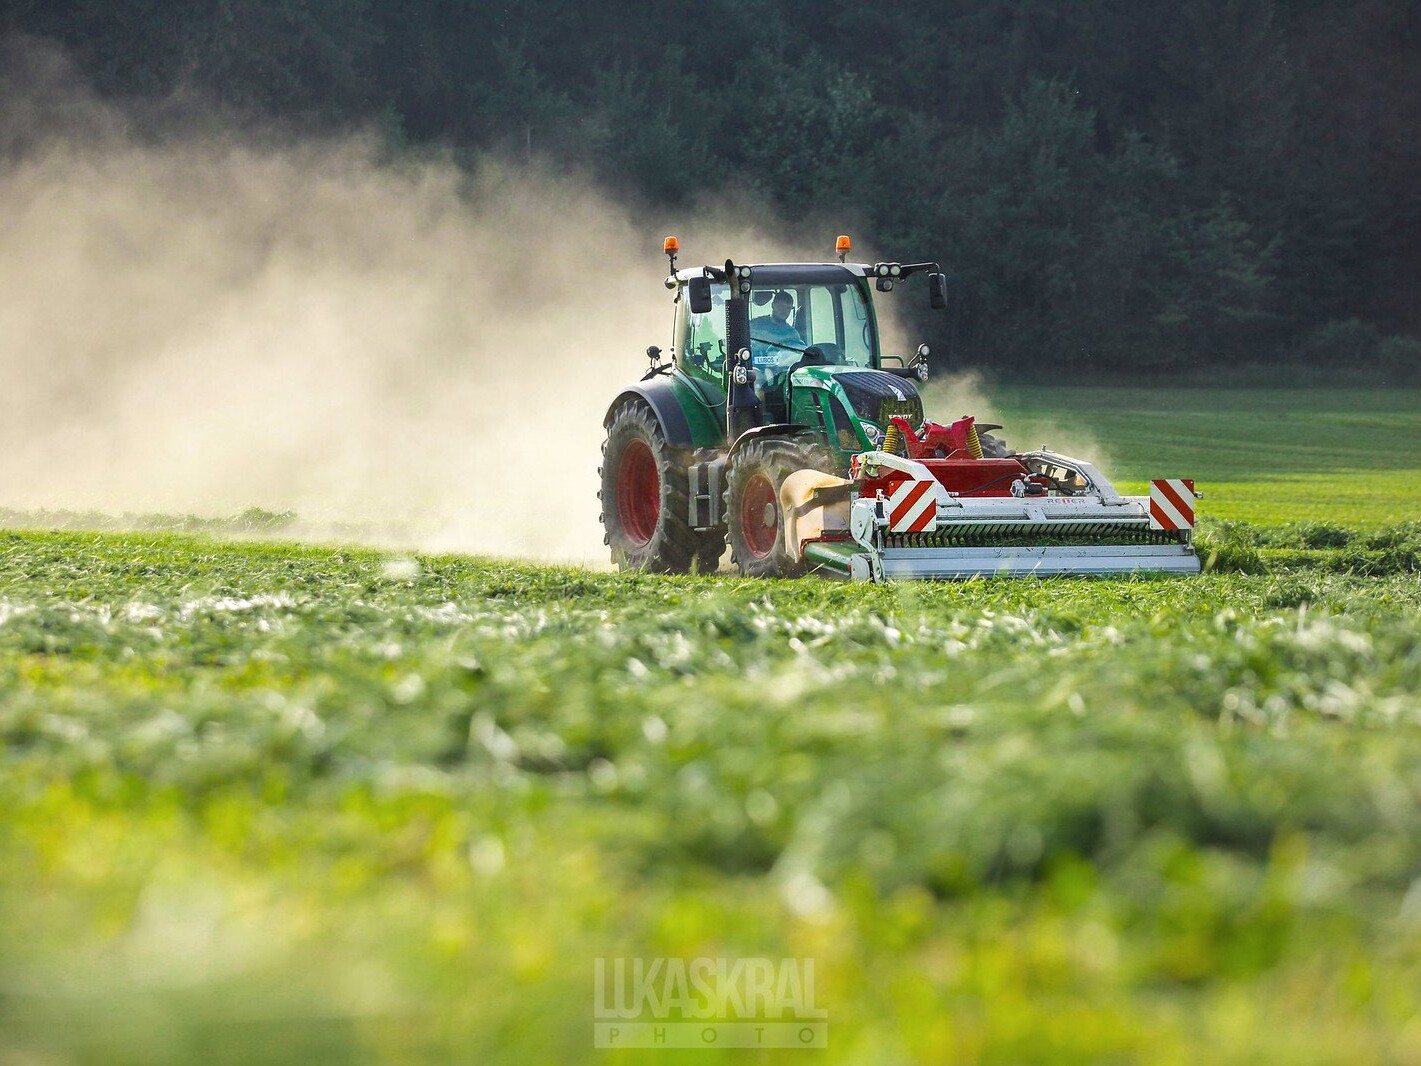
779, 426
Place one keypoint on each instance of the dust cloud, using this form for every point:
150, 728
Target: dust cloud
200, 319
966, 392
950, 396
199, 316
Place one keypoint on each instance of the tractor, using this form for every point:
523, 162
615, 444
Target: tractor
776, 424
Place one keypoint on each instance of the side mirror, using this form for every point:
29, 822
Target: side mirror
699, 292
937, 291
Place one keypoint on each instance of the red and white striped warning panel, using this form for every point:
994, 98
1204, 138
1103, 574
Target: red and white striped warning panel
1172, 503
912, 507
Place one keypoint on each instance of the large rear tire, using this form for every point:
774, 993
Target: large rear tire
645, 514
993, 447
753, 518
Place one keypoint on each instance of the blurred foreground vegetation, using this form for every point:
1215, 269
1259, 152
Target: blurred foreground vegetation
266, 803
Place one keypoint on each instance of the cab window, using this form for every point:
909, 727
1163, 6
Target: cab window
837, 319
700, 347
857, 325
821, 315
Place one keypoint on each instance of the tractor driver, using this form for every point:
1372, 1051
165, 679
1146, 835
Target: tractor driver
774, 343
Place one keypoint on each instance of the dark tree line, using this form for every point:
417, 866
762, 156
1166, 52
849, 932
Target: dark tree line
1149, 183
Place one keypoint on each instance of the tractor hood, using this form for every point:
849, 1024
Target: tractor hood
873, 395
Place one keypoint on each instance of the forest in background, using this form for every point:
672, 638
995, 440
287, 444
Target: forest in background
1113, 185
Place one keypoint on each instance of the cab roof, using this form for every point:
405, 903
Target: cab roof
790, 273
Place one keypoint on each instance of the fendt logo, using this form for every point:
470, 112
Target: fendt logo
707, 1003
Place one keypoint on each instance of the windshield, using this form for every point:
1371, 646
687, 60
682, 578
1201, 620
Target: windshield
787, 319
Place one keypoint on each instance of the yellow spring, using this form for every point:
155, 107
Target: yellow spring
974, 443
892, 440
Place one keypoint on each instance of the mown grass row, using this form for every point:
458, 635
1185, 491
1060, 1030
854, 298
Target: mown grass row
1310, 546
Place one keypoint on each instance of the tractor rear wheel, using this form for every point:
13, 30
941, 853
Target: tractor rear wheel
645, 513
753, 518
993, 447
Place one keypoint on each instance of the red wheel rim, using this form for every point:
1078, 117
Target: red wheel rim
757, 503
638, 492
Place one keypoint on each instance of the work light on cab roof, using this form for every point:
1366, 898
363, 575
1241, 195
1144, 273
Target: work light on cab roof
778, 425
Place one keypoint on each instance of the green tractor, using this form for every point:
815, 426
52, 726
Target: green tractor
773, 368
779, 426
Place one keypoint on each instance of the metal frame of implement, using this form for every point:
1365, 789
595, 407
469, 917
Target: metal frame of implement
920, 530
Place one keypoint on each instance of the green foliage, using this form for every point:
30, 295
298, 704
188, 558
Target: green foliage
1360, 348
1229, 554
1095, 257
1245, 548
268, 803
302, 58
642, 130
1144, 185
810, 143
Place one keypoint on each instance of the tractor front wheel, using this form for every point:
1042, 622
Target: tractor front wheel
754, 521
644, 508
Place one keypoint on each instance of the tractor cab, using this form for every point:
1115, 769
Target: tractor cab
810, 333
792, 308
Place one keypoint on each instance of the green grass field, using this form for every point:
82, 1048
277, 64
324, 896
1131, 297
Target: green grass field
275, 803
1346, 456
